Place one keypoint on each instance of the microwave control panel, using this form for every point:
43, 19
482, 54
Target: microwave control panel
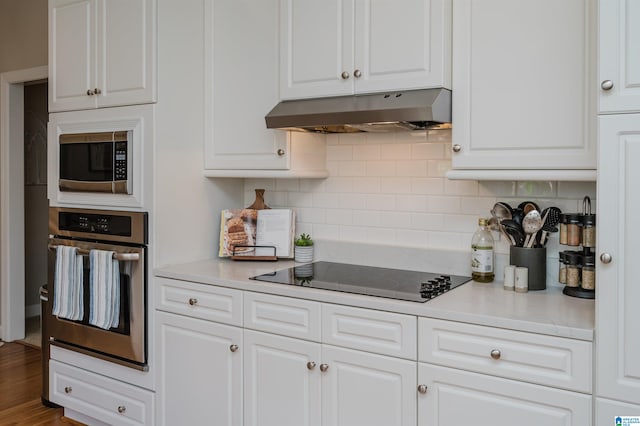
120, 155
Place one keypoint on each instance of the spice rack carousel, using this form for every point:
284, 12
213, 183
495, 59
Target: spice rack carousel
577, 270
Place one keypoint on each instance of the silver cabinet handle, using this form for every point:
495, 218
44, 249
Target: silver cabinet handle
68, 389
121, 409
344, 75
233, 348
495, 354
456, 148
193, 301
606, 85
605, 258
422, 389
89, 92
324, 367
97, 91
357, 74
280, 152
311, 365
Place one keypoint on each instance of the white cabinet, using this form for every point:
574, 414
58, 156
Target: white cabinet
618, 293
522, 89
486, 370
199, 371
99, 397
606, 411
459, 397
342, 47
360, 388
101, 53
281, 381
619, 61
241, 87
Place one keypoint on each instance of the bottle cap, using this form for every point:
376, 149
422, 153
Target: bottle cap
482, 221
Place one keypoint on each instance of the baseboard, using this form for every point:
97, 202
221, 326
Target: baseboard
32, 311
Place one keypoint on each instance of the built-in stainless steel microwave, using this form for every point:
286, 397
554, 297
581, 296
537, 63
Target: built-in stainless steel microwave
95, 162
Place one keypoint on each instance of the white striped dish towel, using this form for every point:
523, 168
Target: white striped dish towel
104, 289
68, 278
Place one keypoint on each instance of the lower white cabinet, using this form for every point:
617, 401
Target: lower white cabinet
281, 380
608, 410
98, 397
199, 372
456, 397
361, 388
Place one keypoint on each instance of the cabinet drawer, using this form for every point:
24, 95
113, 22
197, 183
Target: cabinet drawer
96, 396
200, 300
282, 315
368, 330
547, 360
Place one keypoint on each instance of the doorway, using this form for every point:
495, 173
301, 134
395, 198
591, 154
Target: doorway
13, 309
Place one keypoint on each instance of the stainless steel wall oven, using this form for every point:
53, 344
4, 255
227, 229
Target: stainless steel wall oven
125, 234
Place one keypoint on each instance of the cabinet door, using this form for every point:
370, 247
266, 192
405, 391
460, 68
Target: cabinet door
618, 292
199, 372
316, 48
402, 44
72, 54
606, 411
456, 397
619, 37
281, 388
241, 86
522, 81
359, 388
126, 63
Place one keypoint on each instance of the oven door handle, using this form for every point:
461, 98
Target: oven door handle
126, 257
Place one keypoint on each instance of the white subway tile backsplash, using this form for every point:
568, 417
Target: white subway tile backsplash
399, 151
395, 185
381, 168
391, 189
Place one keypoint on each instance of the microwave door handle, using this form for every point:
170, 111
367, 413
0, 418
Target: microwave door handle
126, 257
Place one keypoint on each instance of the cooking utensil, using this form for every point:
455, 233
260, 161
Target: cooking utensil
517, 214
514, 230
527, 206
531, 223
552, 218
501, 211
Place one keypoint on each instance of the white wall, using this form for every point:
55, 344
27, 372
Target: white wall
390, 189
23, 34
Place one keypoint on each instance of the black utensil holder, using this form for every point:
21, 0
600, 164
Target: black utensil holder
535, 259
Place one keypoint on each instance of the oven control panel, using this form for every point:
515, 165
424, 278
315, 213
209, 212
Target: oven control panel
95, 223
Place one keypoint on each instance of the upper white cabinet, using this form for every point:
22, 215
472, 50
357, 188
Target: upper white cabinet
618, 293
241, 87
619, 66
101, 53
522, 89
341, 47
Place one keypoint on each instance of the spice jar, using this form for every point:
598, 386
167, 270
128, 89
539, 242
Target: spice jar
562, 268
563, 229
574, 231
589, 272
589, 230
573, 268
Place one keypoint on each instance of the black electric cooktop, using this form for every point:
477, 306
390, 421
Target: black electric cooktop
369, 280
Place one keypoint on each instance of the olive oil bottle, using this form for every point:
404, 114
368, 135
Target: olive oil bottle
482, 254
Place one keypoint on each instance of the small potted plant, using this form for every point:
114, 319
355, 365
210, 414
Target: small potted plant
303, 249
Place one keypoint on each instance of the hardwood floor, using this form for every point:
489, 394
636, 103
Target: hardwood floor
20, 386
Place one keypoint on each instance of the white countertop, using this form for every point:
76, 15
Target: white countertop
545, 312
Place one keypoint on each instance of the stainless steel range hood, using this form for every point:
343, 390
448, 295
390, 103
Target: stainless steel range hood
378, 112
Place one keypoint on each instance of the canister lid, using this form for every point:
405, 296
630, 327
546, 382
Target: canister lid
589, 219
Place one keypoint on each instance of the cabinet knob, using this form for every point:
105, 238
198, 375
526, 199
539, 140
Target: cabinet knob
324, 367
344, 75
357, 74
311, 365
495, 354
606, 85
68, 389
89, 92
422, 389
193, 301
456, 148
280, 152
605, 258
233, 348
121, 409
